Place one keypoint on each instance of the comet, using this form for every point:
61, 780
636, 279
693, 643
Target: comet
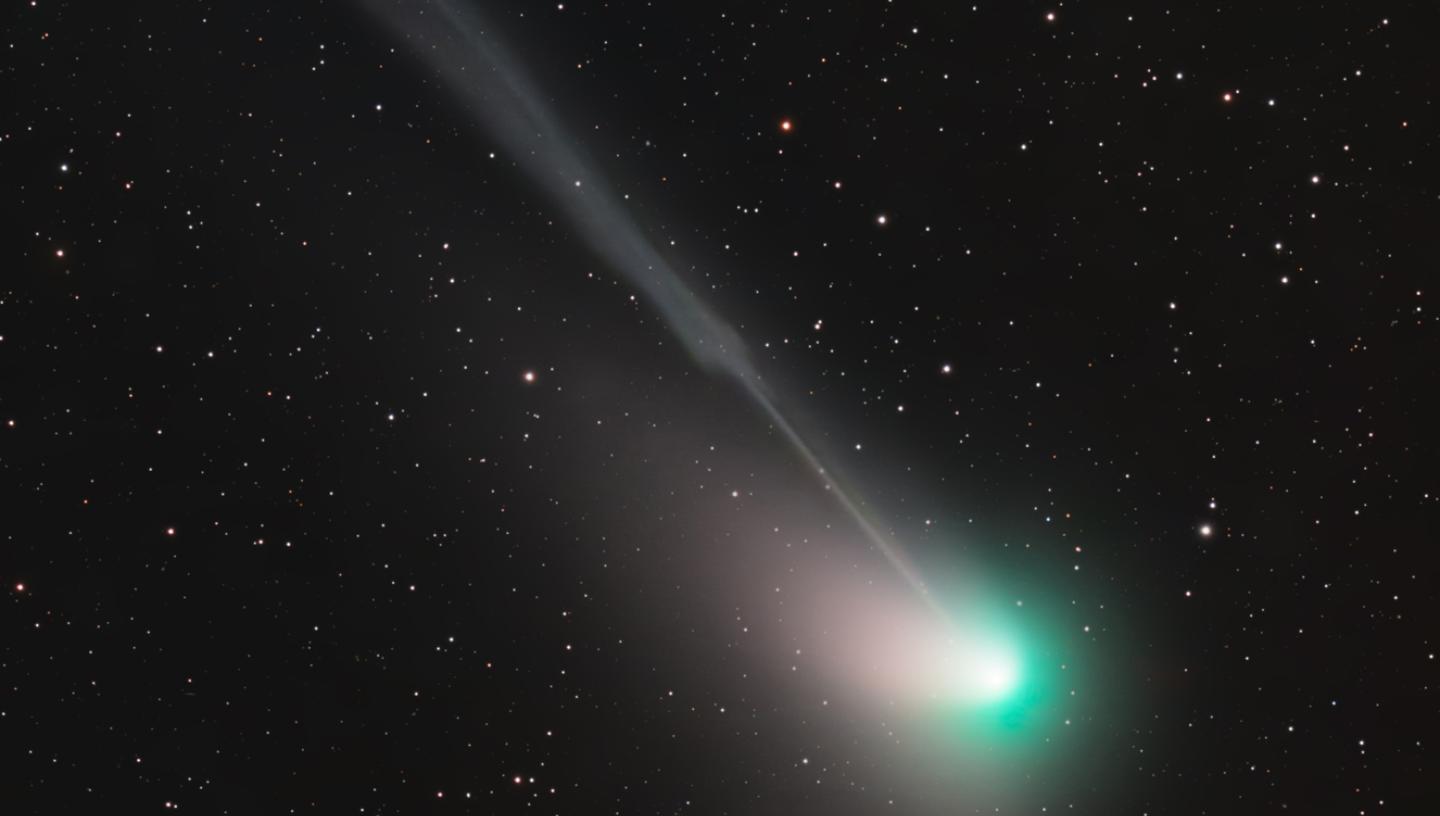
473, 64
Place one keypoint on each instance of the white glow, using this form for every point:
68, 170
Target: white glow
892, 646
977, 673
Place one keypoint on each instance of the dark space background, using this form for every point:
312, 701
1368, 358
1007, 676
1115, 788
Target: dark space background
285, 529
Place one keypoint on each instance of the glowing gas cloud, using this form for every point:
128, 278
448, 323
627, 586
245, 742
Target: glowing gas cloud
928, 655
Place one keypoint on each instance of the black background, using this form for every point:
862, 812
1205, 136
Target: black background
253, 338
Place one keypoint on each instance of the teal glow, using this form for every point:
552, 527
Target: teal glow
1014, 683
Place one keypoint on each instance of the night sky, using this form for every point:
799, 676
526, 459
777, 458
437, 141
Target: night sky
494, 407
